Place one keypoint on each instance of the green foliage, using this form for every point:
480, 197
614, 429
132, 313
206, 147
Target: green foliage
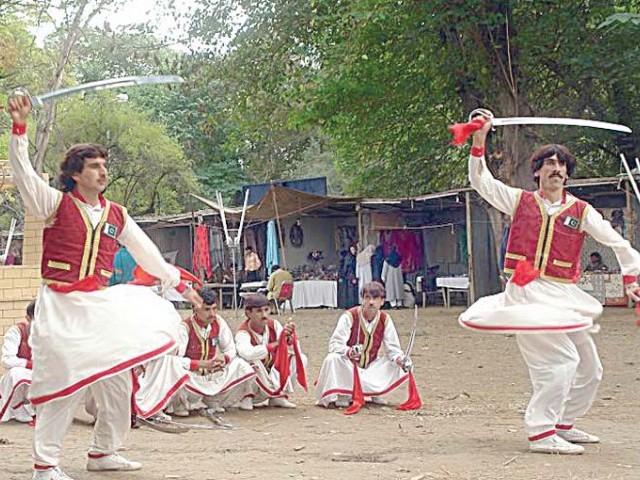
148, 171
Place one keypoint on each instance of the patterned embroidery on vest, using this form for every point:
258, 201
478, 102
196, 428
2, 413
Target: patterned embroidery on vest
370, 341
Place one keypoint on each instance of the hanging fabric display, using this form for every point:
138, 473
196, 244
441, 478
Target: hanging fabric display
296, 235
201, 256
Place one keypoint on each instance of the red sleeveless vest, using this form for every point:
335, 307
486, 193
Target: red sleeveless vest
370, 342
73, 249
273, 337
551, 243
200, 348
24, 350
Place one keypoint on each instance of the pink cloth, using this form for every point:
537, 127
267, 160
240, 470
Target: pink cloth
408, 244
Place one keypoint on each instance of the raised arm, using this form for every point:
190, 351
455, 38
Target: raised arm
501, 196
39, 198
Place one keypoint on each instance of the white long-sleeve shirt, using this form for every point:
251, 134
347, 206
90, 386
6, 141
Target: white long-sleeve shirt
42, 200
342, 332
12, 339
505, 199
253, 353
225, 341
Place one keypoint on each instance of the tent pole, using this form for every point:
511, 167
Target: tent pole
472, 287
275, 205
360, 233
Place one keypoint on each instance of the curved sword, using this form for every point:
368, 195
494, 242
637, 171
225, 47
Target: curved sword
578, 122
40, 100
407, 364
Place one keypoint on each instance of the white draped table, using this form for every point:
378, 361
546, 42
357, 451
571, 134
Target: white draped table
452, 284
315, 293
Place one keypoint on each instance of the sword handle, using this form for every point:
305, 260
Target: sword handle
23, 92
481, 112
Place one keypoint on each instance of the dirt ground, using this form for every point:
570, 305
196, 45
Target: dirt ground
475, 388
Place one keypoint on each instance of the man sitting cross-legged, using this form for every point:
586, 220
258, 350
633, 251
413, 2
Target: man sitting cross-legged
16, 358
218, 378
358, 336
273, 352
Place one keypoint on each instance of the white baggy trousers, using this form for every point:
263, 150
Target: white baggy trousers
565, 373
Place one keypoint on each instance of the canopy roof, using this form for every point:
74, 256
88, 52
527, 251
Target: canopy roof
282, 202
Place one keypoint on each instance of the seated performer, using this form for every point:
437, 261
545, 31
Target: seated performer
273, 352
16, 358
358, 336
278, 277
216, 380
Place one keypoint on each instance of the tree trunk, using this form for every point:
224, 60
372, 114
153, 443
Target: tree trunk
48, 113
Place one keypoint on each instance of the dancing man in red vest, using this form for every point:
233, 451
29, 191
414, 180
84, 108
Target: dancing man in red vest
16, 358
358, 336
218, 378
551, 317
274, 353
87, 338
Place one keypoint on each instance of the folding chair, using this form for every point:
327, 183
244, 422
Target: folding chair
285, 295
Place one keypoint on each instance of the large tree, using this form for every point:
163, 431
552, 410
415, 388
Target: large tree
381, 81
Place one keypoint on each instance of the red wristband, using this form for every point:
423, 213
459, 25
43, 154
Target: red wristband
29, 364
181, 287
627, 279
271, 347
19, 129
477, 151
193, 365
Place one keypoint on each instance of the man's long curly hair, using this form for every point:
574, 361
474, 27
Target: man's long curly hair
548, 151
74, 163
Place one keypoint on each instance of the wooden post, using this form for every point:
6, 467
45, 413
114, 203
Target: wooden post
279, 225
472, 289
359, 217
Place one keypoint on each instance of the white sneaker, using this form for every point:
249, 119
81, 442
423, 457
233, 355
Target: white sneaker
343, 401
555, 444
50, 474
111, 462
281, 403
246, 404
379, 401
575, 435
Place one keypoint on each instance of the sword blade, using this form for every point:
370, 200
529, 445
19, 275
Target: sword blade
560, 121
412, 336
40, 100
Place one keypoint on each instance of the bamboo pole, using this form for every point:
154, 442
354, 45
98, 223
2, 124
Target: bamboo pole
279, 225
472, 288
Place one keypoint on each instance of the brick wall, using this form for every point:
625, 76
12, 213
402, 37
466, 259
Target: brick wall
19, 284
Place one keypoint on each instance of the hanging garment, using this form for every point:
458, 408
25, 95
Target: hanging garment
273, 254
363, 266
201, 256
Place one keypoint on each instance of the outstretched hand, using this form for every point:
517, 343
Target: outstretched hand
19, 107
192, 297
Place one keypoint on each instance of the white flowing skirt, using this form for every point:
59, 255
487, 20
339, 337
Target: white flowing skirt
382, 376
14, 388
542, 306
79, 338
